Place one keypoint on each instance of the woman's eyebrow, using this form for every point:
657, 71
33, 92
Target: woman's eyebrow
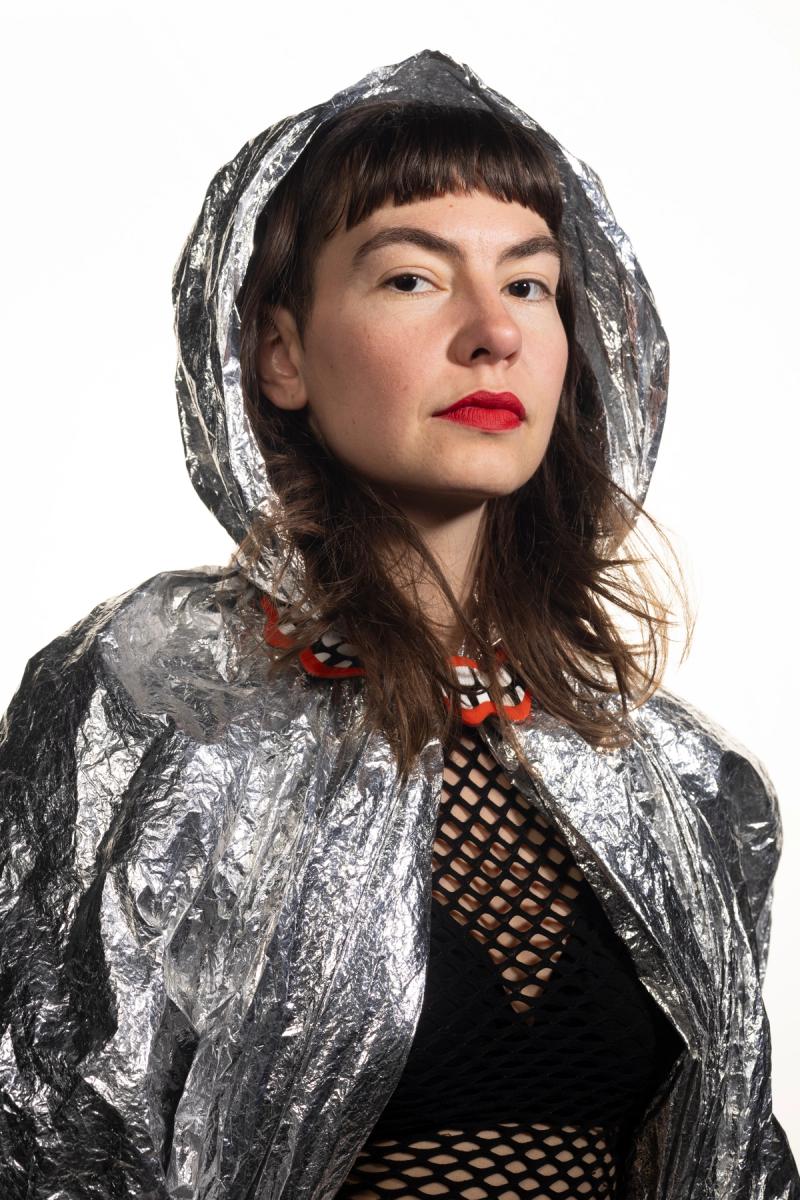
538, 244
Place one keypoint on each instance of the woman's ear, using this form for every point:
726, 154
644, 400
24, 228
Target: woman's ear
279, 362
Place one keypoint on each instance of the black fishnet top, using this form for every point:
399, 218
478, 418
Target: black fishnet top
537, 1049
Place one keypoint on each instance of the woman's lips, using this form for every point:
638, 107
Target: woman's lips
482, 418
483, 409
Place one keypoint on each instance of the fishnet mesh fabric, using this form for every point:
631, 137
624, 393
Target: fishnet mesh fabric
537, 1047
510, 1161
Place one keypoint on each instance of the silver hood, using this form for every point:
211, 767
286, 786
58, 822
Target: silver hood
617, 323
215, 892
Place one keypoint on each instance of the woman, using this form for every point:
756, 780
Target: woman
378, 862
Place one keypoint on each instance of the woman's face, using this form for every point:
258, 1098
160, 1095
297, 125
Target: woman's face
383, 354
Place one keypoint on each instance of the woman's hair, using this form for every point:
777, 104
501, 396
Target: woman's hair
547, 580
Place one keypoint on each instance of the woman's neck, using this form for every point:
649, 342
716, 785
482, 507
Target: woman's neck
452, 536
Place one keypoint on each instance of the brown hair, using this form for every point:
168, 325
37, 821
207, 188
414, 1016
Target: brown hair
545, 570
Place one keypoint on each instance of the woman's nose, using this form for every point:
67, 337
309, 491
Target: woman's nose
486, 327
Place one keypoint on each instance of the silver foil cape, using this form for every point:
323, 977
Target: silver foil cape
215, 893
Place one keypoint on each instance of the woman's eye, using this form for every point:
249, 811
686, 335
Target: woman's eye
405, 279
543, 288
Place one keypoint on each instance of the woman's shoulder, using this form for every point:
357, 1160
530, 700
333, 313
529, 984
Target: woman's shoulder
174, 648
707, 756
732, 790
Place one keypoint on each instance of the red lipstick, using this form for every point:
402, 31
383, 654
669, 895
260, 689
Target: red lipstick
486, 410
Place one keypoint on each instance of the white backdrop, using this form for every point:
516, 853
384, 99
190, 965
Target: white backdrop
116, 117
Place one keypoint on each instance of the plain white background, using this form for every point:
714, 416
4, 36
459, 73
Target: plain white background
116, 118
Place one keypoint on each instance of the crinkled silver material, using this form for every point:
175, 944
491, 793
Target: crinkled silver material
215, 893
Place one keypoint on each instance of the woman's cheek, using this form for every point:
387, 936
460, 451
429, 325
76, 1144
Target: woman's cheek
558, 358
